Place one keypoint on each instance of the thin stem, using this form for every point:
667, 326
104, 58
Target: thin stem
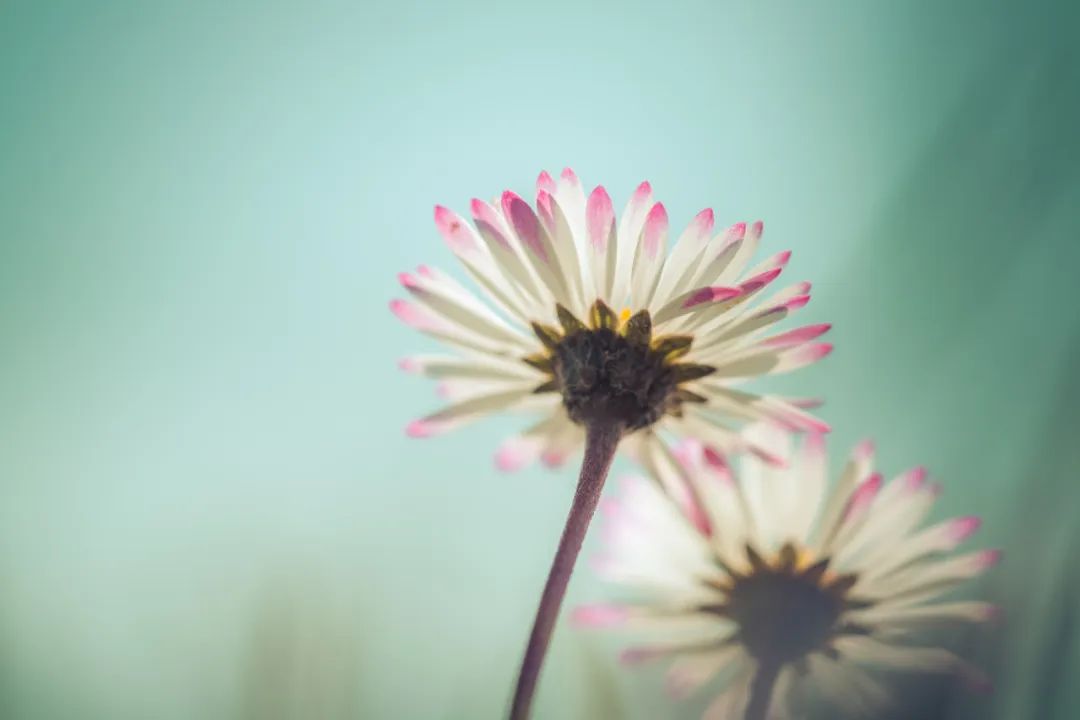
600, 444
761, 690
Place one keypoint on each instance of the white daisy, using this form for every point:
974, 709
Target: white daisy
780, 582
583, 316
590, 322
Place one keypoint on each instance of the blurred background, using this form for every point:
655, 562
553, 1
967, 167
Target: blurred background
208, 508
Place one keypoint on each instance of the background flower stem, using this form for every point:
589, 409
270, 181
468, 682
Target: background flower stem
757, 708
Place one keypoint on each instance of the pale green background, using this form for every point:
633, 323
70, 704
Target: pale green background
208, 507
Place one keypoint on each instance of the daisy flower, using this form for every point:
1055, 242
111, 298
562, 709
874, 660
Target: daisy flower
587, 320
781, 582
583, 316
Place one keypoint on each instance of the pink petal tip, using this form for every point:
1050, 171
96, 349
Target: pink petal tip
795, 303
552, 459
512, 455
545, 182
420, 429
599, 616
961, 529
916, 478
704, 221
864, 451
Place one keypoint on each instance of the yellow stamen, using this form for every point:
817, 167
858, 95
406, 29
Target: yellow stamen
804, 558
624, 315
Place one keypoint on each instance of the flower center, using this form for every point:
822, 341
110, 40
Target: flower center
612, 370
785, 609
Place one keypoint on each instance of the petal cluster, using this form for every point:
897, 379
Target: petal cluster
570, 250
862, 540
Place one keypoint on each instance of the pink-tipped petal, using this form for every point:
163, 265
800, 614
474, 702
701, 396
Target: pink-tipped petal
915, 479
656, 227
569, 176
864, 451
545, 183
689, 452
544, 204
796, 302
797, 336
814, 444
412, 315
987, 559
421, 429
525, 223
599, 218
810, 424
962, 528
711, 294
599, 616
514, 454
408, 281
757, 229
553, 458
864, 495
409, 365
487, 221
812, 353
453, 230
737, 231
642, 193
703, 223
761, 280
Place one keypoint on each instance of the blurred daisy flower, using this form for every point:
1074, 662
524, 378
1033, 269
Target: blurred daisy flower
588, 320
584, 316
779, 583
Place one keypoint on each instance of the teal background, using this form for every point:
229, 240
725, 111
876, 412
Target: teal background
209, 509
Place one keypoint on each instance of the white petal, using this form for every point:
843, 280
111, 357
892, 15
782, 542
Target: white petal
562, 240
681, 265
466, 410
690, 672
866, 650
649, 257
474, 254
603, 248
732, 701
633, 218
539, 252
509, 256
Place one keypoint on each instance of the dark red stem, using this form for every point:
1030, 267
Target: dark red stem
761, 689
600, 444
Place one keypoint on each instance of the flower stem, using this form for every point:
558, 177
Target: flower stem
757, 708
601, 440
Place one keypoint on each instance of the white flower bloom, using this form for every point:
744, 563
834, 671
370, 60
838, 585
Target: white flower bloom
782, 574
586, 315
